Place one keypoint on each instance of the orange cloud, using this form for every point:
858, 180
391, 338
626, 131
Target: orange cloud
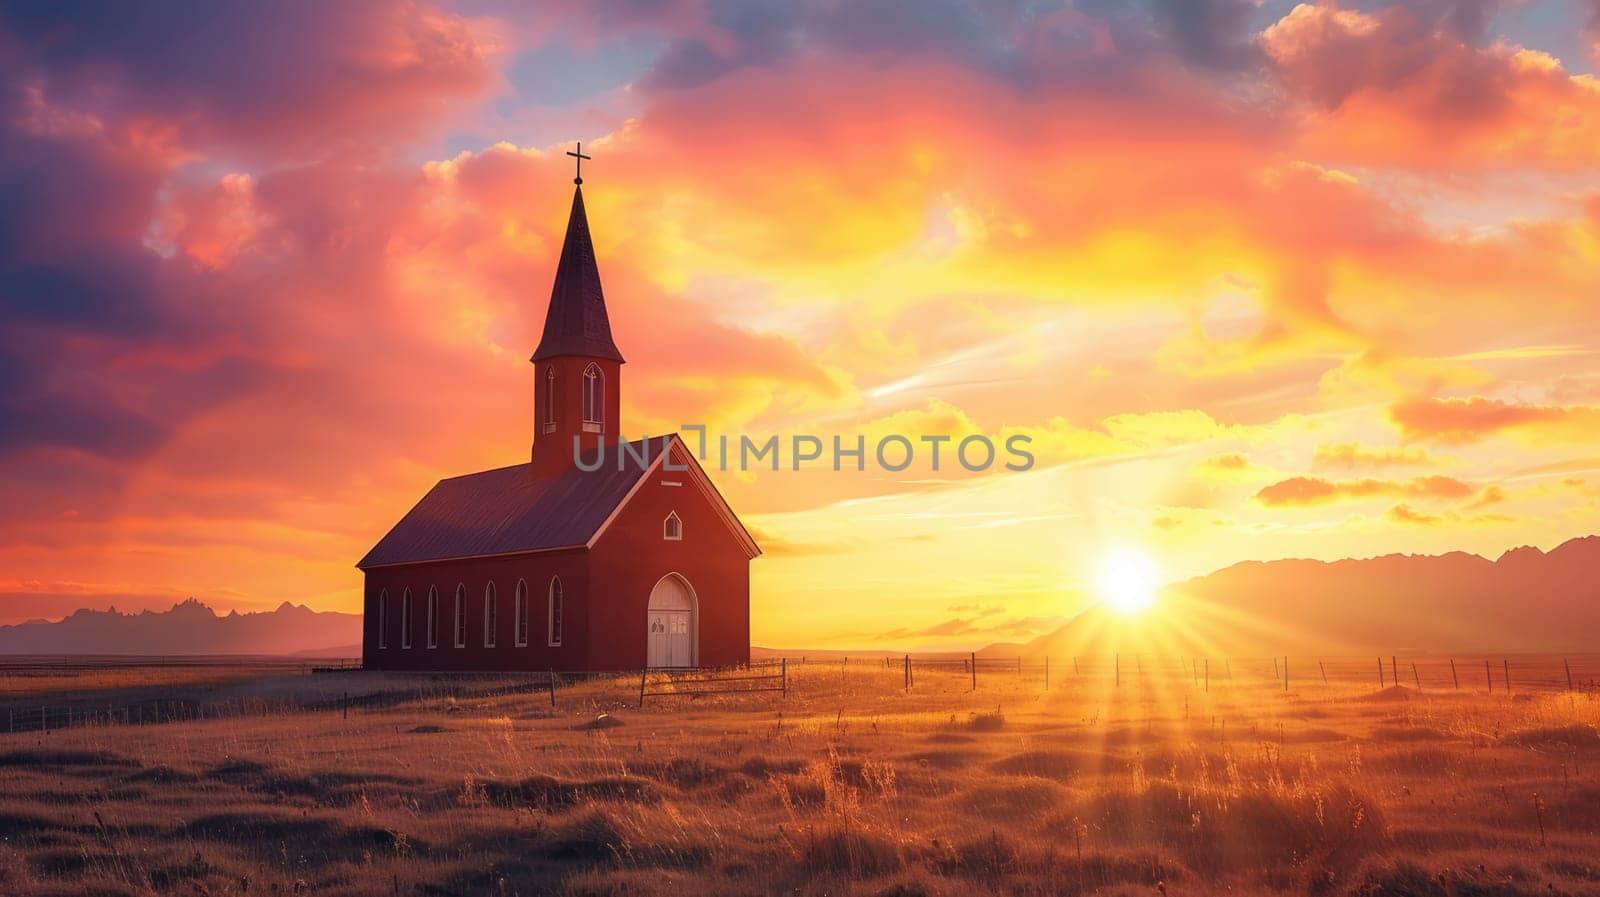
1492, 495
1409, 515
1392, 87
1301, 491
1406, 515
1354, 456
1471, 419
1233, 461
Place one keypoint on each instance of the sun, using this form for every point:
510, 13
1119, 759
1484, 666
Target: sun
1128, 581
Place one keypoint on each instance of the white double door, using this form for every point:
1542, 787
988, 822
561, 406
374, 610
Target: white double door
671, 624
671, 638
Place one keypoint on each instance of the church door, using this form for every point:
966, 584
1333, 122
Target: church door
672, 624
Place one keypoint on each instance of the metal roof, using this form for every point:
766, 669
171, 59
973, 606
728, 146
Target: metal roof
508, 511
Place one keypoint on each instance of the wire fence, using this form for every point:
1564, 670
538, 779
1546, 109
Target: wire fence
1507, 673
309, 687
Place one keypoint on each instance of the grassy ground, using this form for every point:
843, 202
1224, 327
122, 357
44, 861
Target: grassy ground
847, 786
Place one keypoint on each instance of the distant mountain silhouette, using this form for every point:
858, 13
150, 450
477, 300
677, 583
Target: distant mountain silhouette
189, 627
1526, 600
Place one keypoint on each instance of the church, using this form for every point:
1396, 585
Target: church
593, 556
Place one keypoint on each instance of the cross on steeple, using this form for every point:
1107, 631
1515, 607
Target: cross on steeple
580, 157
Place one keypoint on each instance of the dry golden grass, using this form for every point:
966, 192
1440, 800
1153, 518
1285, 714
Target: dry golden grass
848, 786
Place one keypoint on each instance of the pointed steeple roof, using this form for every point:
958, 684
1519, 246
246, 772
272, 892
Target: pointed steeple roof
576, 322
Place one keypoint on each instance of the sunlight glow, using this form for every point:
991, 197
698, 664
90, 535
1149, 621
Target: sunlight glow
1128, 582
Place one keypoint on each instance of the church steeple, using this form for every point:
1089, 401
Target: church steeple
577, 368
576, 323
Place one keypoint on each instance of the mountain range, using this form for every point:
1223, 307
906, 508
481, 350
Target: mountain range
189, 627
1524, 600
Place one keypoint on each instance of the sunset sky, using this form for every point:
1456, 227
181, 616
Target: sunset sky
1260, 280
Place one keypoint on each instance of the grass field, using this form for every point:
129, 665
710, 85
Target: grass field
849, 785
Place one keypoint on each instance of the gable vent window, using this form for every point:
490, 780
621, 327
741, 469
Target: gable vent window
672, 528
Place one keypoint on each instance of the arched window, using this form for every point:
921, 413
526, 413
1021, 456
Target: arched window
522, 613
405, 618
461, 615
554, 640
594, 398
550, 400
672, 528
433, 616
383, 619
490, 614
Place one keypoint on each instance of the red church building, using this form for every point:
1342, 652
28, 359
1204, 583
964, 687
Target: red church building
638, 562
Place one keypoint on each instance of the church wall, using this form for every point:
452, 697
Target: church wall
631, 556
476, 573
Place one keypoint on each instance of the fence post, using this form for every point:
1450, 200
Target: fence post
974, 659
1019, 664
1507, 663
1568, 667
1074, 666
552, 688
785, 682
908, 672
1324, 668
1275, 673
1380, 672
1488, 676
1454, 681
1415, 677
1285, 672
1394, 670
642, 675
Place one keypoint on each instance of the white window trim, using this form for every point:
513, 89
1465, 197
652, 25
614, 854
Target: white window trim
594, 406
405, 620
491, 616
550, 400
666, 532
672, 482
519, 629
432, 637
458, 622
551, 638
383, 619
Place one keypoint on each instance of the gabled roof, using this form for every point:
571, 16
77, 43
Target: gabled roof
576, 322
508, 511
